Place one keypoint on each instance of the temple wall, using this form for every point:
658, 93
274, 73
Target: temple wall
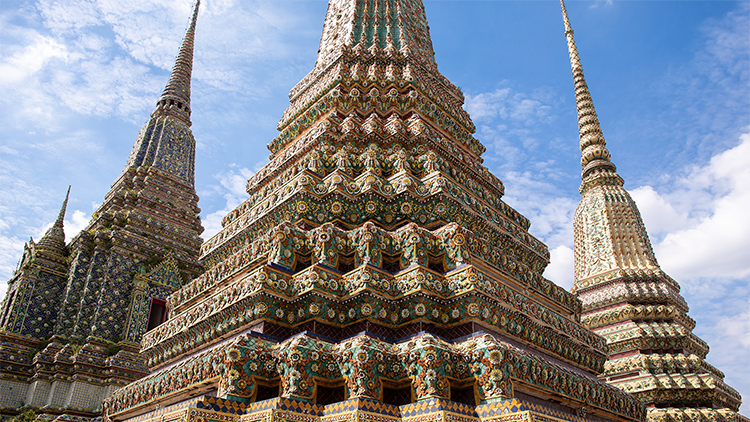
12, 393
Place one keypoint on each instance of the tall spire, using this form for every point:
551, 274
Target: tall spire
595, 158
61, 215
626, 297
609, 232
166, 142
175, 100
54, 239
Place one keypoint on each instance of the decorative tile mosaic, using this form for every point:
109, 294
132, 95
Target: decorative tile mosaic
374, 260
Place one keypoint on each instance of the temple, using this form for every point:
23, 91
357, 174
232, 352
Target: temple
374, 272
74, 315
627, 299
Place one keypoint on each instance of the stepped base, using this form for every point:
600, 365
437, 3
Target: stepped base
204, 409
673, 414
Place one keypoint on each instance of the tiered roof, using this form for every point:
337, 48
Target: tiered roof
375, 261
50, 250
627, 298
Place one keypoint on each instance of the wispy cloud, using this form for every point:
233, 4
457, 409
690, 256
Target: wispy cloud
525, 150
46, 71
513, 124
701, 106
110, 58
35, 56
231, 188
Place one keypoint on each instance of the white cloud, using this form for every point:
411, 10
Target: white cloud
560, 269
705, 220
72, 225
31, 59
77, 222
488, 105
110, 58
700, 229
48, 72
738, 327
659, 215
551, 217
506, 104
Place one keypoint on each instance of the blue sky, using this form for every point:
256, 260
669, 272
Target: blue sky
670, 80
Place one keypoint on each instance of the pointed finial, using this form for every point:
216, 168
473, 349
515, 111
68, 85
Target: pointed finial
566, 22
175, 100
61, 215
595, 159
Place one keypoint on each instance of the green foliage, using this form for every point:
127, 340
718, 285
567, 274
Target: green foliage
112, 350
185, 278
27, 415
43, 345
77, 348
152, 262
107, 244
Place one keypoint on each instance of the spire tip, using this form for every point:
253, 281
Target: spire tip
594, 154
175, 100
61, 215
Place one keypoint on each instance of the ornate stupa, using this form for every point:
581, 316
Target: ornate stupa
374, 273
74, 315
627, 299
